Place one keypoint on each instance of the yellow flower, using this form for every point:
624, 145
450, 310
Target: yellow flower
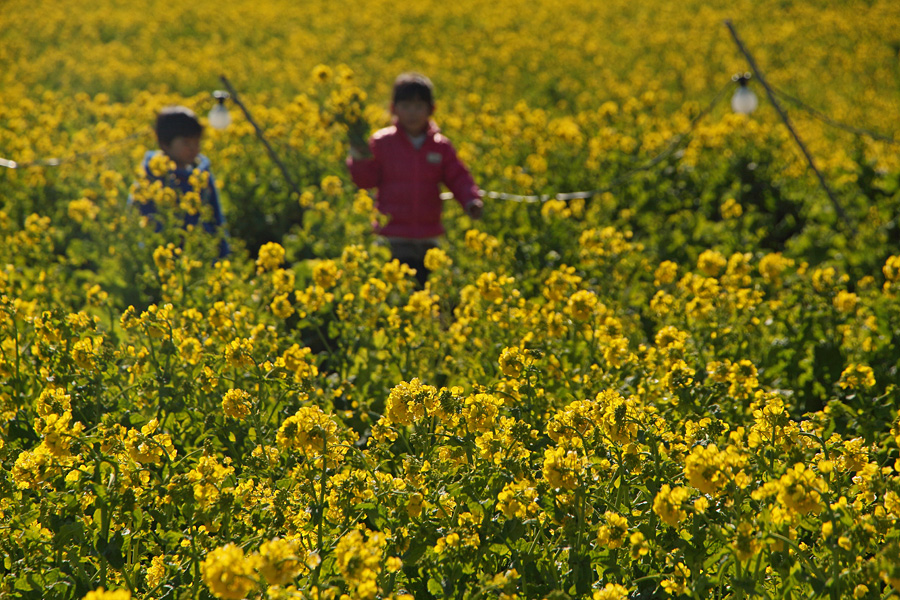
326, 274
53, 401
436, 259
731, 209
83, 353
639, 545
359, 560
582, 305
560, 284
102, 594
160, 165
321, 74
363, 204
679, 376
614, 533
799, 491
313, 433
857, 377
156, 572
562, 468
892, 504
448, 541
164, 258
518, 500
824, 278
279, 562
298, 361
57, 432
711, 263
414, 504
710, 470
374, 291
481, 243
490, 286
147, 446
423, 304
845, 302
668, 504
480, 411
312, 299
239, 353
891, 269
677, 584
236, 404
513, 361
270, 258
553, 208
395, 272
611, 591
228, 573
332, 186
408, 402
745, 544
281, 306
283, 281
83, 210
207, 479
33, 468
670, 338
191, 350
701, 505
771, 266
665, 273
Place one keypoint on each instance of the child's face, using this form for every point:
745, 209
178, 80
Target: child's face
183, 150
412, 115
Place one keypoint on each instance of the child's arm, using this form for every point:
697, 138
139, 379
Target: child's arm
358, 152
364, 166
459, 180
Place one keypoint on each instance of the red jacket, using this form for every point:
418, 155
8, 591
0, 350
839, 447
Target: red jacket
408, 180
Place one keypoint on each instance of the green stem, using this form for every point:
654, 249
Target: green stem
195, 565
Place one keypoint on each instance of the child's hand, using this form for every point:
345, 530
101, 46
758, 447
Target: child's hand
475, 208
359, 152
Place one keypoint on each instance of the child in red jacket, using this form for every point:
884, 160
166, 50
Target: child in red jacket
407, 163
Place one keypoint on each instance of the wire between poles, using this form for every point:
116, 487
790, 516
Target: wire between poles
55, 162
676, 141
829, 121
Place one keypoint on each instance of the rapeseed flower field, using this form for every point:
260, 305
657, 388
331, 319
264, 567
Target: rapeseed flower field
681, 382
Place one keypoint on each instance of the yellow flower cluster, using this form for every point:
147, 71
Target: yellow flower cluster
359, 560
679, 384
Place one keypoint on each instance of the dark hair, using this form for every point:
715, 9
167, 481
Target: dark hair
175, 121
413, 86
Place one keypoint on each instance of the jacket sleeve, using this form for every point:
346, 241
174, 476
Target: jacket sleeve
458, 179
366, 172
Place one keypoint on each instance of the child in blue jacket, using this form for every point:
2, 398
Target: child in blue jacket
179, 166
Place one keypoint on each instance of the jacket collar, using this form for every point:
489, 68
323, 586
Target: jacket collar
201, 164
430, 132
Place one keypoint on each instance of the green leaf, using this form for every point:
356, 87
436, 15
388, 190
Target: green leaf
417, 548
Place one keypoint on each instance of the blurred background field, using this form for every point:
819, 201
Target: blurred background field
681, 383
555, 97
